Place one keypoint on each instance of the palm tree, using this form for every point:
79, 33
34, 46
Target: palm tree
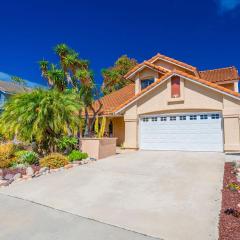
57, 78
74, 73
41, 116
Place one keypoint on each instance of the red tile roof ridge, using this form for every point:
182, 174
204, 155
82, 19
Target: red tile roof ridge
214, 69
147, 63
159, 55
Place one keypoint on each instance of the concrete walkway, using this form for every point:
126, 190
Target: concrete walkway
168, 195
24, 220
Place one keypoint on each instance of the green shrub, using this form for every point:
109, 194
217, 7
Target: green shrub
29, 158
19, 153
26, 157
67, 143
76, 155
7, 155
54, 160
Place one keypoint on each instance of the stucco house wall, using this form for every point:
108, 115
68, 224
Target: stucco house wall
195, 98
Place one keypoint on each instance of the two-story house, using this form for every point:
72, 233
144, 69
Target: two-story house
171, 105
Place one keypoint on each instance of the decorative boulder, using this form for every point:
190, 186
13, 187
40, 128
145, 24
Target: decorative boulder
17, 176
29, 171
9, 176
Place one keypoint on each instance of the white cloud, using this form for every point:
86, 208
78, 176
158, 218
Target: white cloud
227, 5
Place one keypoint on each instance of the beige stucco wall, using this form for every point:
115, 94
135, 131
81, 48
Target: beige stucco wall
98, 147
119, 130
195, 98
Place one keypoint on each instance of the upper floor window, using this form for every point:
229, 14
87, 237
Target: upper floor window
146, 82
175, 87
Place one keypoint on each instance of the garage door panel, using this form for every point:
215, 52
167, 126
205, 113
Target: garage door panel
194, 134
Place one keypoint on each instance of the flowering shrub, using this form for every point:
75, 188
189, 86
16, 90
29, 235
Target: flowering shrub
233, 187
7, 155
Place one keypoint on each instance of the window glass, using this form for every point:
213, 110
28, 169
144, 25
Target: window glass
145, 119
193, 117
215, 116
163, 119
203, 116
183, 118
154, 119
173, 118
146, 82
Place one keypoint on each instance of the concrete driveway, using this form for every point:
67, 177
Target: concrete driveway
168, 195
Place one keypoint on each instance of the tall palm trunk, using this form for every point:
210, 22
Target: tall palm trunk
86, 131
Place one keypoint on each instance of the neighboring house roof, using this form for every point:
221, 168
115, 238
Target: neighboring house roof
220, 74
8, 78
10, 87
114, 99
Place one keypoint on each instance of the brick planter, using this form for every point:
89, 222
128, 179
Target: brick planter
98, 147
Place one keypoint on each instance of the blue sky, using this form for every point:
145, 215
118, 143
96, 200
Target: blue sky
202, 33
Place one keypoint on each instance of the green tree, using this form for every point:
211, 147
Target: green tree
42, 116
113, 77
73, 72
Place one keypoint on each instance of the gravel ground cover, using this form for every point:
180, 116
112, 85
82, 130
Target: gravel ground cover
229, 225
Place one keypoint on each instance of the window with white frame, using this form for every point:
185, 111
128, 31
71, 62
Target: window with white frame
154, 119
173, 118
193, 117
203, 116
163, 119
182, 118
145, 119
215, 116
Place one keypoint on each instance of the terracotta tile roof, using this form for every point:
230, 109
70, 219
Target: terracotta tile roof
115, 99
203, 81
220, 74
11, 87
173, 61
146, 63
210, 84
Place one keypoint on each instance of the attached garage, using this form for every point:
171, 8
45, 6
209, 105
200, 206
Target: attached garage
186, 132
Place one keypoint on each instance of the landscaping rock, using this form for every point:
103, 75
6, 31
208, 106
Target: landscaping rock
77, 162
17, 176
237, 164
29, 171
10, 181
43, 170
68, 166
26, 177
4, 183
9, 176
1, 174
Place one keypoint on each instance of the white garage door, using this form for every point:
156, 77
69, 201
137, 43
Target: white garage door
187, 132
